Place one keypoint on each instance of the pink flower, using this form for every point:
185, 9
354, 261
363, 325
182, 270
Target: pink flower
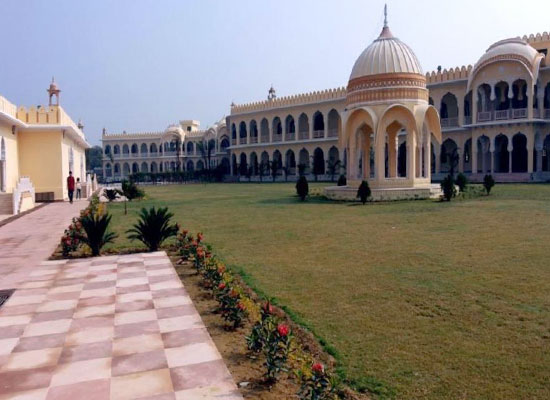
221, 286
240, 306
268, 308
283, 330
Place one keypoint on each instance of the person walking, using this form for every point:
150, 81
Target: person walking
78, 189
70, 186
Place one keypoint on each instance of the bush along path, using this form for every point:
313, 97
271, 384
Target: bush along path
269, 356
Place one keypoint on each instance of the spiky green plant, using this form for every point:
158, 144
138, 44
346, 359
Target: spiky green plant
95, 226
153, 227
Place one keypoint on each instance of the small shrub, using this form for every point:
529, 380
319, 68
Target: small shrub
231, 307
363, 192
342, 181
302, 187
260, 331
448, 187
276, 351
488, 183
95, 226
111, 194
70, 241
317, 385
461, 181
131, 191
153, 227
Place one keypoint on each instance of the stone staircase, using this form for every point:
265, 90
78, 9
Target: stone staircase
6, 204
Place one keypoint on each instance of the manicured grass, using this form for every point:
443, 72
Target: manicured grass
421, 299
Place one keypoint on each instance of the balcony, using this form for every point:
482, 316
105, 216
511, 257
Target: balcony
318, 134
500, 115
449, 122
253, 139
333, 132
303, 135
290, 136
264, 139
277, 138
234, 142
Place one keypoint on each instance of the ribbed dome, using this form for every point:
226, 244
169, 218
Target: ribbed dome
386, 55
509, 47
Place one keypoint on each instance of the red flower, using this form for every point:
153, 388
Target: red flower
221, 286
234, 293
194, 243
240, 306
184, 232
221, 269
318, 368
283, 330
199, 237
68, 242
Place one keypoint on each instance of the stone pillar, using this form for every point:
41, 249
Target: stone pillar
325, 124
428, 158
474, 154
530, 148
539, 158
411, 155
530, 101
510, 149
460, 101
460, 156
392, 154
437, 151
474, 105
310, 127
366, 157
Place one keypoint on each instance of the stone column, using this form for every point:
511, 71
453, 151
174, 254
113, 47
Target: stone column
310, 127
366, 157
530, 148
437, 151
460, 156
474, 154
474, 105
411, 155
460, 101
325, 124
510, 149
539, 157
530, 101
392, 154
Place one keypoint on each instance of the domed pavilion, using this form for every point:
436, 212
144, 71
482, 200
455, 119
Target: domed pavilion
388, 124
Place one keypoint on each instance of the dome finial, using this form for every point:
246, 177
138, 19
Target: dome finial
385, 15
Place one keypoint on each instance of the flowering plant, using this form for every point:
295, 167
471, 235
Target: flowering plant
317, 385
71, 239
276, 350
260, 331
230, 306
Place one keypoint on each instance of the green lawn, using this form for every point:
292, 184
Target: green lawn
432, 300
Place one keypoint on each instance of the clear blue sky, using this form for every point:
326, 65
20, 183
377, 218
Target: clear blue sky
139, 65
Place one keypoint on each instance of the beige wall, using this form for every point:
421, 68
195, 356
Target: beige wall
12, 157
40, 159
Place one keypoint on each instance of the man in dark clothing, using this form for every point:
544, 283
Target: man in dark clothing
70, 186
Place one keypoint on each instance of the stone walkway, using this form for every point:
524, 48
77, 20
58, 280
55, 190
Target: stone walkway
32, 238
116, 327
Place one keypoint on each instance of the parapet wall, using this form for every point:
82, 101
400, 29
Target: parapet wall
298, 99
452, 74
7, 107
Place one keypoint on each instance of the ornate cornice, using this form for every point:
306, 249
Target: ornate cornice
387, 87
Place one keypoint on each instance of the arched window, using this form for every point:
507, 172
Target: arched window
107, 149
264, 131
242, 132
277, 130
116, 149
108, 170
318, 125
143, 148
290, 128
303, 127
333, 123
153, 148
125, 149
190, 148
134, 148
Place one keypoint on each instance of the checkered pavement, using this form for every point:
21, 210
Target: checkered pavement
116, 327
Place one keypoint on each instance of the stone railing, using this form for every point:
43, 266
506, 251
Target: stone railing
7, 107
304, 135
290, 136
333, 132
318, 134
253, 139
449, 122
23, 186
299, 99
500, 115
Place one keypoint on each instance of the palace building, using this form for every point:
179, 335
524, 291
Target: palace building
38, 147
393, 124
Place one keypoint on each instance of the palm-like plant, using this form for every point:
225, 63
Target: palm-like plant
96, 236
153, 227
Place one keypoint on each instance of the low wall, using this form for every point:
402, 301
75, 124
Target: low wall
346, 193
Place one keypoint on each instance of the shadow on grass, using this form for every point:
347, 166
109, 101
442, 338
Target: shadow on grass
296, 200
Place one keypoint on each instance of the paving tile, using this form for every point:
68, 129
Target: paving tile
81, 371
89, 335
86, 352
52, 315
137, 344
98, 389
180, 323
138, 362
171, 312
95, 311
40, 342
185, 337
136, 305
173, 301
23, 380
57, 305
37, 394
141, 384
199, 375
15, 320
139, 328
135, 316
191, 354
47, 327
7, 345
124, 298
32, 359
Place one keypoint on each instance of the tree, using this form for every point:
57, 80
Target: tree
364, 192
333, 166
206, 149
301, 169
318, 165
131, 191
94, 157
488, 183
342, 181
153, 227
302, 187
448, 187
97, 235
286, 171
274, 167
263, 169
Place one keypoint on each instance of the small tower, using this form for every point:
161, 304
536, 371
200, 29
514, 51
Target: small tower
271, 94
80, 125
53, 91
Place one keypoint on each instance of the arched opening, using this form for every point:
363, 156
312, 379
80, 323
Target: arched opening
484, 103
233, 134
116, 169
264, 163
433, 164
303, 160
143, 149
449, 156
290, 128
519, 153
125, 149
200, 165
190, 148
116, 149
333, 123
234, 164
318, 125
519, 90
134, 149
108, 170
502, 101
254, 163
154, 168
501, 156
224, 144
264, 131
225, 167
290, 162
483, 154
303, 127
277, 130
135, 168
253, 131
546, 101
190, 166
242, 133
153, 149
107, 149
430, 101
449, 111
467, 157
126, 169
243, 165
546, 154
318, 161
402, 160
277, 161
144, 167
